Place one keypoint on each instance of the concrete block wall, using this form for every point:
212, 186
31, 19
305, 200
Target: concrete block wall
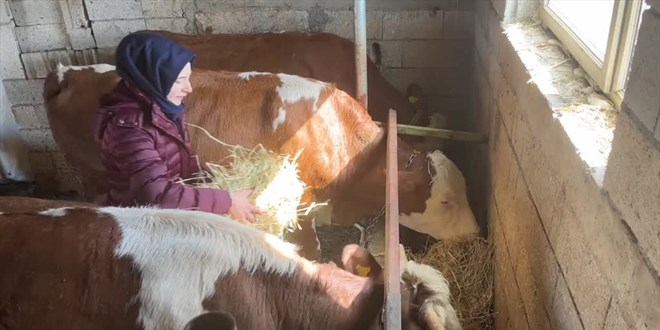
422, 41
573, 251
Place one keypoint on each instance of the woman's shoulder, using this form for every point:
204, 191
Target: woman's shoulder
122, 107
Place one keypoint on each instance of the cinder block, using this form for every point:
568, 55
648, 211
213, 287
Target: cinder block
66, 175
494, 32
211, 7
41, 161
436, 54
163, 8
169, 24
81, 38
110, 33
5, 12
536, 268
451, 107
391, 53
643, 299
587, 284
59, 160
614, 319
500, 7
115, 9
512, 67
417, 24
642, 95
23, 91
458, 25
36, 12
73, 13
344, 4
506, 99
39, 139
502, 262
516, 307
483, 54
657, 128
30, 116
37, 38
106, 55
633, 182
342, 24
443, 82
546, 185
253, 21
655, 5
10, 66
38, 65
563, 314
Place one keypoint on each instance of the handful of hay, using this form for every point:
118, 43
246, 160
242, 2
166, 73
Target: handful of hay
274, 178
468, 267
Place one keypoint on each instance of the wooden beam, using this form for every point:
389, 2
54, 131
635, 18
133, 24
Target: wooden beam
392, 260
439, 133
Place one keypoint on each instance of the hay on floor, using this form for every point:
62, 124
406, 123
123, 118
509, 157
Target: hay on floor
468, 267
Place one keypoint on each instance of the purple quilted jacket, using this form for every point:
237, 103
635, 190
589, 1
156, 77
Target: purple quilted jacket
145, 154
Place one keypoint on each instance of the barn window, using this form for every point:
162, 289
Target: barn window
600, 35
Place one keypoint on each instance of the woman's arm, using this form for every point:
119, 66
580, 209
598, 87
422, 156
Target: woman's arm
133, 151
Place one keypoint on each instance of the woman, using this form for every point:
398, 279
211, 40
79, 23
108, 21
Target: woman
145, 146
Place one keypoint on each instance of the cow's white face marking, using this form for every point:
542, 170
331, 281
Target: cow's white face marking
58, 212
448, 215
248, 75
279, 120
181, 254
100, 68
295, 88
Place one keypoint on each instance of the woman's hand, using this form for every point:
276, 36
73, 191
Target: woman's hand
241, 209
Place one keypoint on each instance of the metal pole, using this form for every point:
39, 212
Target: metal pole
361, 51
392, 256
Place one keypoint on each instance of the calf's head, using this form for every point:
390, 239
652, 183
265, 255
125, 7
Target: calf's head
425, 295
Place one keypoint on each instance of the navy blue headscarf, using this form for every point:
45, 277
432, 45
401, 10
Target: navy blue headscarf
153, 62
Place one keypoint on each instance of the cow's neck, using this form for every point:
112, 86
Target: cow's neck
354, 301
316, 297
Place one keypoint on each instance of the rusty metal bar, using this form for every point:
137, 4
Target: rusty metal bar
392, 261
360, 12
439, 133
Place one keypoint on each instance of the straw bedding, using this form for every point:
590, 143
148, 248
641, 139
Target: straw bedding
468, 267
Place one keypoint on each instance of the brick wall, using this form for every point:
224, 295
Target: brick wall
422, 41
573, 250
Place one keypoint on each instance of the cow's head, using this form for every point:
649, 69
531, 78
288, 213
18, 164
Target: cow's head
447, 214
425, 295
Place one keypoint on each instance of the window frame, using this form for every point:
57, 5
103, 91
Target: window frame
611, 73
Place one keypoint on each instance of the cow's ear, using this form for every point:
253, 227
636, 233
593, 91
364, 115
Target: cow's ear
212, 321
359, 261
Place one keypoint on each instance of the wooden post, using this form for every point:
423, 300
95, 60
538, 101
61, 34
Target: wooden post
392, 263
360, 12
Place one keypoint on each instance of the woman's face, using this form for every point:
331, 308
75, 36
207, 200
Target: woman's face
181, 87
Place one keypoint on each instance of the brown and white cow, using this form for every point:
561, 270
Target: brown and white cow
130, 268
321, 56
343, 151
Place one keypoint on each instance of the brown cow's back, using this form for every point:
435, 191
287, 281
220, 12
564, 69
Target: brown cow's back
323, 56
60, 272
117, 268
